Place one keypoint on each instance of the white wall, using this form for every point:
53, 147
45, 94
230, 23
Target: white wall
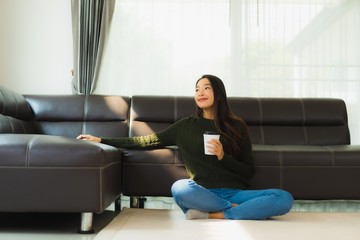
36, 46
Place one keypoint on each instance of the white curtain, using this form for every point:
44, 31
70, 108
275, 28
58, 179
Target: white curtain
261, 48
162, 46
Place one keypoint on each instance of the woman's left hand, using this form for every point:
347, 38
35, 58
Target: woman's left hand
216, 148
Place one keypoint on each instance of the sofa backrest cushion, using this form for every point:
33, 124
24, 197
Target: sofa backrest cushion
71, 115
150, 114
271, 121
294, 121
15, 113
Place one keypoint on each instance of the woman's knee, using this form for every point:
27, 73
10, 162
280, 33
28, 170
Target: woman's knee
180, 186
286, 200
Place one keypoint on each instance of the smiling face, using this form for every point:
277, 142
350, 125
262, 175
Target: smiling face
204, 97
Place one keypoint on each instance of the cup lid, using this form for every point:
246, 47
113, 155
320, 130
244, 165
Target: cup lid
211, 133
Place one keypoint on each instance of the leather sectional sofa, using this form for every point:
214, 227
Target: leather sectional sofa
300, 144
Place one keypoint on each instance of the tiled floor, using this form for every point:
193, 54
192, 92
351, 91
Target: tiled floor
155, 224
62, 226
56, 226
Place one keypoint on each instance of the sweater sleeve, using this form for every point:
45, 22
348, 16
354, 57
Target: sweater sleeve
163, 138
151, 140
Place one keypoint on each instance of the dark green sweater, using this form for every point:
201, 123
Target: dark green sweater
206, 170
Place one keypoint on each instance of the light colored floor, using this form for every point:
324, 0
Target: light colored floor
155, 224
53, 226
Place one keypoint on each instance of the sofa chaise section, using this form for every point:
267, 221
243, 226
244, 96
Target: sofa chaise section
44, 168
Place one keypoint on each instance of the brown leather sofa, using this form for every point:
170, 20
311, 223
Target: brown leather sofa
300, 144
43, 168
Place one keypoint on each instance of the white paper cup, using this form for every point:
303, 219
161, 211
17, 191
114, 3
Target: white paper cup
207, 137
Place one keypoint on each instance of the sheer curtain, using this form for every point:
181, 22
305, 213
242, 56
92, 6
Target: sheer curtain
162, 47
302, 48
260, 48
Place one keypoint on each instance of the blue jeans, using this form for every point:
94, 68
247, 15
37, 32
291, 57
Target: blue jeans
252, 204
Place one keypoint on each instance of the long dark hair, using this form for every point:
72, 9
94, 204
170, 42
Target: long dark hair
224, 119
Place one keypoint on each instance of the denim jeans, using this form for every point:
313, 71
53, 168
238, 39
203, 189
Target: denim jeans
252, 204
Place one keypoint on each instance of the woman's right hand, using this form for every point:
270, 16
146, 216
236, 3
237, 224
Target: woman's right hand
88, 137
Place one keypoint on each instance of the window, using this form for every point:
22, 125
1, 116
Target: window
264, 48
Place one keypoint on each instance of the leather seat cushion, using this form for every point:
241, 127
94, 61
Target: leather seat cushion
31, 150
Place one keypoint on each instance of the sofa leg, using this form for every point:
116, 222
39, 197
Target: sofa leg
117, 204
137, 202
86, 223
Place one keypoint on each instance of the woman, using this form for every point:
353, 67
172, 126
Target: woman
218, 183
